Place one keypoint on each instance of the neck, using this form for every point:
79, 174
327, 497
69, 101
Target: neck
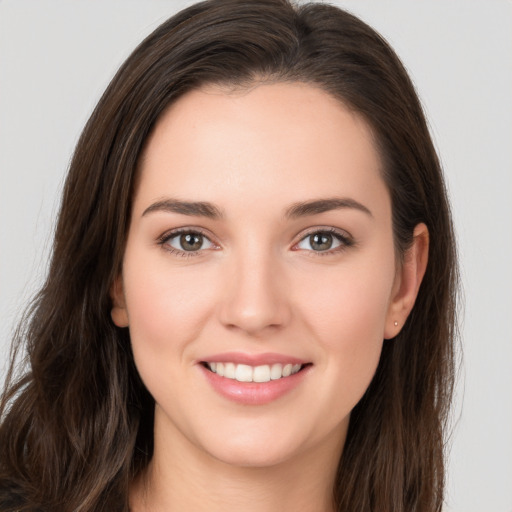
182, 477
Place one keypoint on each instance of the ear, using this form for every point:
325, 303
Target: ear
119, 312
407, 282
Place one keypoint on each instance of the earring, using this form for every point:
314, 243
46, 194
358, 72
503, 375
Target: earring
396, 323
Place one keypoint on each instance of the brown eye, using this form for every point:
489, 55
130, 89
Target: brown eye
188, 241
324, 241
191, 241
321, 241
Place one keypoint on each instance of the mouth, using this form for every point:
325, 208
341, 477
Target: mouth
254, 379
248, 373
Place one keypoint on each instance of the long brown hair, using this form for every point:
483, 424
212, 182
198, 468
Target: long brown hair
76, 427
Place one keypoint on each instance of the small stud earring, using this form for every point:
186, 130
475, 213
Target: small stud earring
396, 323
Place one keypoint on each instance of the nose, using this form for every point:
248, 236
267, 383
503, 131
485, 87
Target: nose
256, 297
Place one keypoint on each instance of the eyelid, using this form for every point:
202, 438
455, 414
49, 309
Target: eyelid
345, 238
172, 233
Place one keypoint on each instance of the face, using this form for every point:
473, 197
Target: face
259, 279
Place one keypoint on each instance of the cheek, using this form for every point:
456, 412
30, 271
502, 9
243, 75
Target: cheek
167, 310
167, 307
346, 314
349, 304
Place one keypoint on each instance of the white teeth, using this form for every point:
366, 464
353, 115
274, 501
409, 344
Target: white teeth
229, 370
243, 373
261, 373
246, 373
276, 372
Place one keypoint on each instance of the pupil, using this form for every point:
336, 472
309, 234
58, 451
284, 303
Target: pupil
321, 241
191, 242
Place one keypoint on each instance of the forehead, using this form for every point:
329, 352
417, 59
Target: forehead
279, 142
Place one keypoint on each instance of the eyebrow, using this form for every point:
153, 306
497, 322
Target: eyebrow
192, 208
296, 210
317, 206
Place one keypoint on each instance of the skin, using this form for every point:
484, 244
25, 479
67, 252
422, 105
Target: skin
257, 285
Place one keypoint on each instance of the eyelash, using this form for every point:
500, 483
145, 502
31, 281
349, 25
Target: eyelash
345, 240
169, 235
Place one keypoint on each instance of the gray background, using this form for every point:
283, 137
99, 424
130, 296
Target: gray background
56, 57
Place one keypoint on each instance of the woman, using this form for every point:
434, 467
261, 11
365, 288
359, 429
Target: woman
251, 297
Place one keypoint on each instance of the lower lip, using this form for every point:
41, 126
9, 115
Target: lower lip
253, 393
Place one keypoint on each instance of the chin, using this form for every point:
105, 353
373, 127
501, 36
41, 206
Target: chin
252, 458
254, 451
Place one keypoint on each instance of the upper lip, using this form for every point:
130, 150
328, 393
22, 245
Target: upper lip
253, 359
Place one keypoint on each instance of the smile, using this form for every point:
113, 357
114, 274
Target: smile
247, 373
